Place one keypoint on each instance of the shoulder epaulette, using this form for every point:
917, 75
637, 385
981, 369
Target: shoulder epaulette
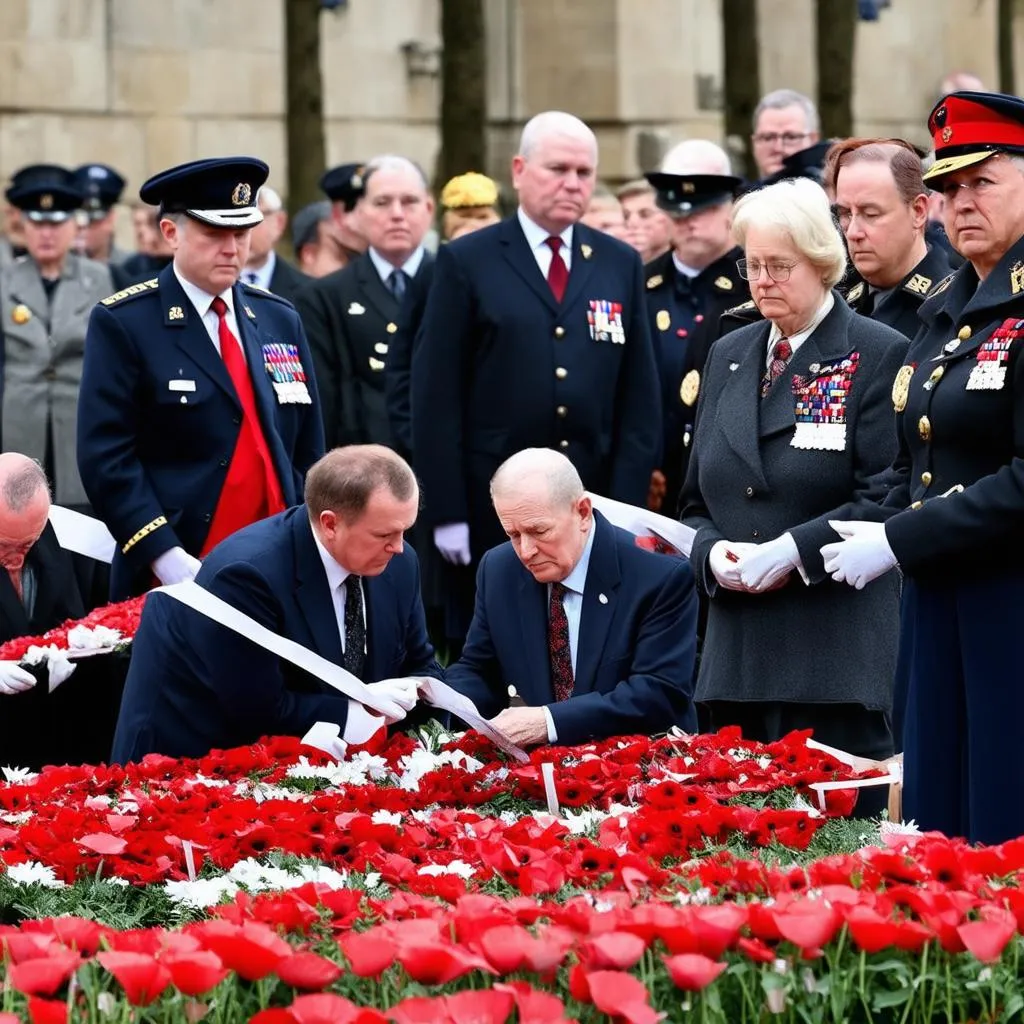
653, 282
131, 291
255, 289
854, 294
742, 307
942, 285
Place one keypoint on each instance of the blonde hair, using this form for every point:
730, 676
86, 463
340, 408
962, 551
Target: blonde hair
799, 209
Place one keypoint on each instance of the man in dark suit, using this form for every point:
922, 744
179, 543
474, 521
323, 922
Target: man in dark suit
264, 268
535, 334
198, 411
351, 315
591, 635
333, 576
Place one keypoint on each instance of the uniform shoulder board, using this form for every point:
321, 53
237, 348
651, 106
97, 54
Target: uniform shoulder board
855, 293
742, 307
653, 282
263, 293
942, 285
918, 284
131, 291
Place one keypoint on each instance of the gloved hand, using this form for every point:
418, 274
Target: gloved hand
452, 540
60, 668
175, 566
14, 679
399, 696
324, 736
862, 556
769, 564
724, 562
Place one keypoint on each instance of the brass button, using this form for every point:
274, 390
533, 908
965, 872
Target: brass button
936, 374
559, 332
392, 328
561, 372
926, 478
562, 411
924, 428
563, 444
916, 505
965, 333
750, 492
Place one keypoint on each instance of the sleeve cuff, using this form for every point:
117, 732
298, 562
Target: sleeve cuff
552, 731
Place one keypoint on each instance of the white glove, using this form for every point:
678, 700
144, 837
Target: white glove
724, 562
14, 679
399, 696
60, 667
452, 540
862, 556
324, 736
769, 563
175, 566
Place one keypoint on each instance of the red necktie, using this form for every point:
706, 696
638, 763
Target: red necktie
558, 272
780, 356
558, 645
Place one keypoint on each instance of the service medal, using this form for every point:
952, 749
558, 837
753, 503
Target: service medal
901, 388
663, 320
689, 388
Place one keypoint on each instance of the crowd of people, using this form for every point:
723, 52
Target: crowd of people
816, 372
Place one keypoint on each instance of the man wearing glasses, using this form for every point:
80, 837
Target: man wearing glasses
785, 122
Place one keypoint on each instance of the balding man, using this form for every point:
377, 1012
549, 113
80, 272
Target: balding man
352, 315
588, 634
535, 334
688, 289
333, 575
264, 268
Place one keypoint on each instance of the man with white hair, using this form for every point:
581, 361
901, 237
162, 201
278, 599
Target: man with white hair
688, 289
578, 634
535, 335
352, 315
785, 122
264, 269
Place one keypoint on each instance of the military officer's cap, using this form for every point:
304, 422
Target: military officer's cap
469, 190
344, 184
102, 187
220, 191
968, 127
45, 193
682, 194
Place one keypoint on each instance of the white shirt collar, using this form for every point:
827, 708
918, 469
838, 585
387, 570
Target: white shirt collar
796, 340
336, 574
383, 268
684, 268
537, 237
576, 581
200, 299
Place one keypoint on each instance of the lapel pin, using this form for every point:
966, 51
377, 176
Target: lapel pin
586, 251
175, 313
184, 400
733, 367
356, 309
602, 598
21, 314
249, 313
814, 368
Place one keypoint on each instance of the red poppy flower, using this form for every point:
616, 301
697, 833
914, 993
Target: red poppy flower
251, 950
142, 977
616, 951
326, 1008
809, 924
532, 1006
9, 1018
421, 1010
756, 950
43, 975
693, 971
986, 939
869, 930
104, 844
369, 953
196, 972
437, 963
308, 970
74, 932
275, 1015
486, 1006
621, 995
47, 1011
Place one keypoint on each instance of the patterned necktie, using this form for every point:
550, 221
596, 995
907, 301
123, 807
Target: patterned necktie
558, 272
780, 356
354, 658
558, 645
396, 283
251, 276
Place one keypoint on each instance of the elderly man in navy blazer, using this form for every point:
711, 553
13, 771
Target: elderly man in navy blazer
332, 575
588, 634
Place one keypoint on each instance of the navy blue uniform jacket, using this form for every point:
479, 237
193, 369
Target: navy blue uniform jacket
154, 458
194, 685
636, 648
502, 366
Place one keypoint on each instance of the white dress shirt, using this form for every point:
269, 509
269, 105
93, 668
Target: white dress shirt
385, 269
203, 303
796, 340
336, 576
537, 240
572, 601
260, 277
684, 268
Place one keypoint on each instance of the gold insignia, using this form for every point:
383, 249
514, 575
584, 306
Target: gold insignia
249, 313
689, 188
742, 307
901, 388
241, 195
942, 286
689, 388
854, 294
46, 202
587, 251
924, 428
947, 134
377, 364
380, 348
653, 282
663, 320
153, 524
723, 283
964, 333
1017, 277
21, 314
920, 284
392, 328
133, 289
175, 313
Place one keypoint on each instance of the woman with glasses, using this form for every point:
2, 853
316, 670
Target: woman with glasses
956, 523
794, 428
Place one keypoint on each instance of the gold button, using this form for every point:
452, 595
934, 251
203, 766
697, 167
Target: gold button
562, 411
937, 373
563, 444
392, 328
924, 428
965, 333
750, 492
916, 505
559, 332
561, 372
926, 478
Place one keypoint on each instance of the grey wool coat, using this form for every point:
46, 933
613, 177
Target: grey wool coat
43, 350
818, 643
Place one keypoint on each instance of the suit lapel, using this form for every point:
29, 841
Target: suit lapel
583, 258
535, 689
312, 591
600, 598
737, 409
373, 289
516, 250
72, 298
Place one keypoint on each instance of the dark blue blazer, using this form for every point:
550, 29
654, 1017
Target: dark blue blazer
194, 685
501, 366
147, 452
635, 654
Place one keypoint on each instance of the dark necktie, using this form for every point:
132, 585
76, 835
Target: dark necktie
396, 283
251, 276
354, 658
558, 645
780, 356
558, 272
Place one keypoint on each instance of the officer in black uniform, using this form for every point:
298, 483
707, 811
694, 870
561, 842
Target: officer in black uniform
102, 187
955, 516
688, 289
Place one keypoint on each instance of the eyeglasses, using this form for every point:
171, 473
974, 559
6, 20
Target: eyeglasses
980, 187
777, 270
774, 138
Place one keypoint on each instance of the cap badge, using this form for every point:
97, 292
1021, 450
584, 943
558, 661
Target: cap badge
940, 117
356, 181
242, 194
46, 202
689, 188
947, 134
723, 283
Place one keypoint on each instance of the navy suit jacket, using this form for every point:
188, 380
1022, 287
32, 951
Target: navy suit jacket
502, 366
153, 458
636, 649
194, 685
